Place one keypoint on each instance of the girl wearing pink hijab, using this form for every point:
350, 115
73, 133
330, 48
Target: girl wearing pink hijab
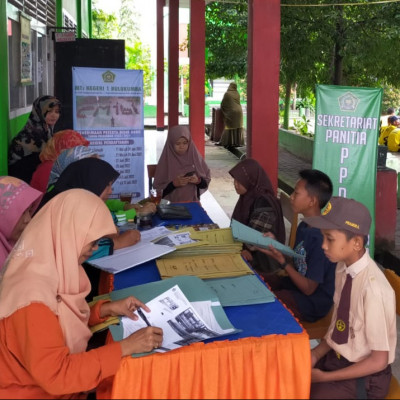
18, 202
181, 172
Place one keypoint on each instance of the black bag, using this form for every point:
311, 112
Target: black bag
168, 211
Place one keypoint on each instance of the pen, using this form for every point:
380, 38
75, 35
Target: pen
144, 318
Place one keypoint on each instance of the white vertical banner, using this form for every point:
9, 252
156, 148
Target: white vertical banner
108, 111
26, 51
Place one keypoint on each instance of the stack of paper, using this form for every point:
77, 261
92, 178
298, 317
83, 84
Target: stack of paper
214, 241
204, 266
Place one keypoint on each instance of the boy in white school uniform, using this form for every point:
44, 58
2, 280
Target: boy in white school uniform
353, 360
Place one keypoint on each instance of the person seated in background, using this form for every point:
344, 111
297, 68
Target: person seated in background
393, 137
44, 318
353, 360
24, 149
65, 158
61, 140
182, 174
308, 288
258, 208
384, 132
18, 202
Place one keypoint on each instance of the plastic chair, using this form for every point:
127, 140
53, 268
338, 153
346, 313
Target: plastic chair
151, 171
290, 216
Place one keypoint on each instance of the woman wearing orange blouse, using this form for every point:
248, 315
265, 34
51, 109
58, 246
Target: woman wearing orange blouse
44, 318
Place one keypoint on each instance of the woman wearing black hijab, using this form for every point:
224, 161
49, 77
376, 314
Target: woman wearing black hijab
97, 176
257, 207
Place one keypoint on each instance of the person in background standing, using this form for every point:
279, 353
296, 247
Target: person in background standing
233, 135
24, 149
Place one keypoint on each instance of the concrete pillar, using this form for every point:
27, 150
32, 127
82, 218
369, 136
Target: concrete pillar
160, 65
197, 73
173, 64
263, 84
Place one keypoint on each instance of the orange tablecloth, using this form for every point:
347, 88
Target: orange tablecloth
273, 366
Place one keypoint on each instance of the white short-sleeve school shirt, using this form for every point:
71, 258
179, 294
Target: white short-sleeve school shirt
372, 316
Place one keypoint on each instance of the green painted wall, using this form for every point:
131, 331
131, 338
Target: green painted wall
4, 123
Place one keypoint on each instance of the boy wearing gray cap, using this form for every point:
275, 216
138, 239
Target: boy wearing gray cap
353, 360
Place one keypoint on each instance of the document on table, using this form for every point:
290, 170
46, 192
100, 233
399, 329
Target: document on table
179, 240
204, 266
203, 300
215, 241
248, 235
182, 322
131, 256
240, 290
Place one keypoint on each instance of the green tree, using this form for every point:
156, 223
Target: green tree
104, 26
139, 57
108, 26
128, 28
226, 40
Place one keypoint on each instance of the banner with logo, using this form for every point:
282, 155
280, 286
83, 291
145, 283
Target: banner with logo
346, 142
108, 111
26, 49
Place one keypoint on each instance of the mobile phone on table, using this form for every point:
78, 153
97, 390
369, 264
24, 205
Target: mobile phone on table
191, 173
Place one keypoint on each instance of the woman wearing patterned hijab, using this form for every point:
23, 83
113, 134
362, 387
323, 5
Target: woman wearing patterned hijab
18, 202
65, 158
44, 318
61, 140
257, 207
180, 157
23, 153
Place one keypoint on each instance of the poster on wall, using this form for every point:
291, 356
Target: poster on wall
346, 142
108, 111
26, 51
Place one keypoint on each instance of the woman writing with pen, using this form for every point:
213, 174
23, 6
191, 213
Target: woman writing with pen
44, 318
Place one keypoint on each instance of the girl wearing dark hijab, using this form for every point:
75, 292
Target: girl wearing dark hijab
257, 207
96, 176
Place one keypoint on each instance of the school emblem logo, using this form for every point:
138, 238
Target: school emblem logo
108, 77
348, 102
328, 208
340, 325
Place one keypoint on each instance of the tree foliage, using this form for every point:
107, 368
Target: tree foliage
226, 40
109, 26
